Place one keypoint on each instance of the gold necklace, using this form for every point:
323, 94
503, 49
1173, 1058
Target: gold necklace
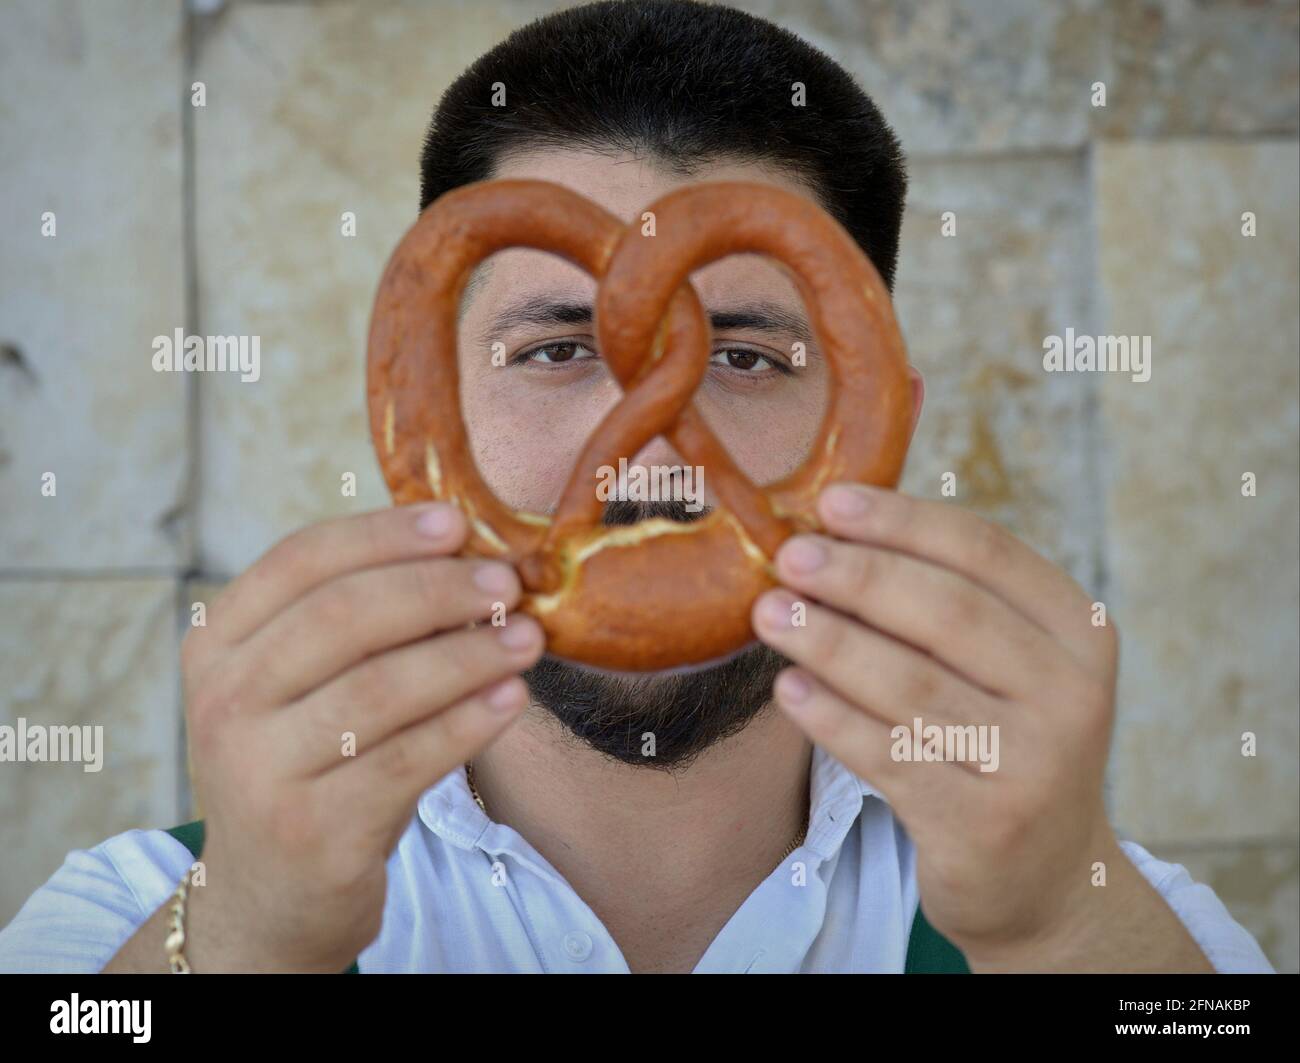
469, 777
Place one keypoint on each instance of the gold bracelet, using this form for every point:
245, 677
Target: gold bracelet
175, 944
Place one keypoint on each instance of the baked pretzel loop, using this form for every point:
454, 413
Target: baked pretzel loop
658, 594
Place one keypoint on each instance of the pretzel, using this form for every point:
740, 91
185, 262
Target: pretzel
660, 594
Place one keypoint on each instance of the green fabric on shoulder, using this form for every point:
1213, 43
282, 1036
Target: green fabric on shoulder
928, 951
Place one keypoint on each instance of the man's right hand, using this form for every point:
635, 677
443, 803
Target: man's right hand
358, 626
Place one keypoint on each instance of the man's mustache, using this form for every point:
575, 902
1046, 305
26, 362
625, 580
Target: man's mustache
625, 511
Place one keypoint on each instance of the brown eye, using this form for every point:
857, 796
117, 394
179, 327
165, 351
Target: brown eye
556, 353
559, 352
745, 361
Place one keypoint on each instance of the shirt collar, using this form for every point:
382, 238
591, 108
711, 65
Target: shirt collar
836, 797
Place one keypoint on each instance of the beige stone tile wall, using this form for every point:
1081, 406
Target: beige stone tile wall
225, 219
1203, 577
1014, 438
86, 652
91, 133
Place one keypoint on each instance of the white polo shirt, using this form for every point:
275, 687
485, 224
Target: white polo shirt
848, 908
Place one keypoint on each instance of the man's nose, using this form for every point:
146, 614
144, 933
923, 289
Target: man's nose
658, 453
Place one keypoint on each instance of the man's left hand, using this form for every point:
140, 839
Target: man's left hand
915, 609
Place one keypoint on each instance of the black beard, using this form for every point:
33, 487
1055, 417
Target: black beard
686, 711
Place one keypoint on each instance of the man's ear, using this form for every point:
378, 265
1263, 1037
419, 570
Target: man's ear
918, 398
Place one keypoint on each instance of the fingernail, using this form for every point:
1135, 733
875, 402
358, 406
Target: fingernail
435, 522
494, 577
775, 611
519, 634
793, 687
846, 501
804, 554
505, 696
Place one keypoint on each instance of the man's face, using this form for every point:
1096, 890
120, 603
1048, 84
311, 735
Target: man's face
529, 418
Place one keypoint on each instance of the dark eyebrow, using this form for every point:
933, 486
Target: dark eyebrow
542, 310
761, 317
539, 310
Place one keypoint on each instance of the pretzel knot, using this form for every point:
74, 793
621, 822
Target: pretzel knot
661, 593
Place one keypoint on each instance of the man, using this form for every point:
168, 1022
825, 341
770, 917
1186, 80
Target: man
779, 824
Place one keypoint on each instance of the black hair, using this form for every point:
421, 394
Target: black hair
685, 83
